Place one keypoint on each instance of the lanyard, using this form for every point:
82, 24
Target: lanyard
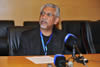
45, 45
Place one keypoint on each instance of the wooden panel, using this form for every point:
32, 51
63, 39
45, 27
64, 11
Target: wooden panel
29, 10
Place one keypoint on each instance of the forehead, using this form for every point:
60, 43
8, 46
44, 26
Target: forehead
49, 9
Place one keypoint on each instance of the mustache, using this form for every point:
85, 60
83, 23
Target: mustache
43, 20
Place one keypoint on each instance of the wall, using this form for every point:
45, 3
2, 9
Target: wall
28, 10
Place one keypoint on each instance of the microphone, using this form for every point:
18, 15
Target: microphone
60, 60
71, 39
80, 58
73, 42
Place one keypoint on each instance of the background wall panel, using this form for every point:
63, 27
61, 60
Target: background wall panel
29, 10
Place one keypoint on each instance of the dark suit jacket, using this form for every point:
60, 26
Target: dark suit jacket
31, 43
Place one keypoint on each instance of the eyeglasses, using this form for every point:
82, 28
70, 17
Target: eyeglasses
48, 14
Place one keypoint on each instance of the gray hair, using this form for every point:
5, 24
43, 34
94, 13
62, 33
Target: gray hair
53, 6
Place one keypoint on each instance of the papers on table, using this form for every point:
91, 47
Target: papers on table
41, 59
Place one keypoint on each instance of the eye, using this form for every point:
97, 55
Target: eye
49, 14
42, 13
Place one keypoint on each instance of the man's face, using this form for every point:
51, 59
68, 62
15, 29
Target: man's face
47, 18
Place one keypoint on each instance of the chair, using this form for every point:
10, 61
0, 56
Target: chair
14, 38
4, 25
33, 24
93, 35
76, 27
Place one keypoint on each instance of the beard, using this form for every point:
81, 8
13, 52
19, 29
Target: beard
43, 23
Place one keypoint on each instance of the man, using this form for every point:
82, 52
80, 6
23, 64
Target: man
46, 39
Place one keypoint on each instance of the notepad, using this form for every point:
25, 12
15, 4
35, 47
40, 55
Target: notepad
41, 59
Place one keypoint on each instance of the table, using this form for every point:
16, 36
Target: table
21, 61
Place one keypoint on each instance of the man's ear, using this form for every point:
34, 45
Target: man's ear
57, 19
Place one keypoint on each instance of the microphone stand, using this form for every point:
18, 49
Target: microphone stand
74, 51
80, 58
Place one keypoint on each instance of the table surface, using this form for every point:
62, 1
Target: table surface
21, 61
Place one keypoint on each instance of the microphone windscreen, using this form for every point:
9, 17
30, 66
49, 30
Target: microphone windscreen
60, 60
68, 36
70, 40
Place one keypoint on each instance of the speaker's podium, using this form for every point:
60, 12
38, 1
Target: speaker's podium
22, 61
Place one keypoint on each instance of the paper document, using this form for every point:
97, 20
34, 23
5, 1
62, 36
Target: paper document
41, 59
